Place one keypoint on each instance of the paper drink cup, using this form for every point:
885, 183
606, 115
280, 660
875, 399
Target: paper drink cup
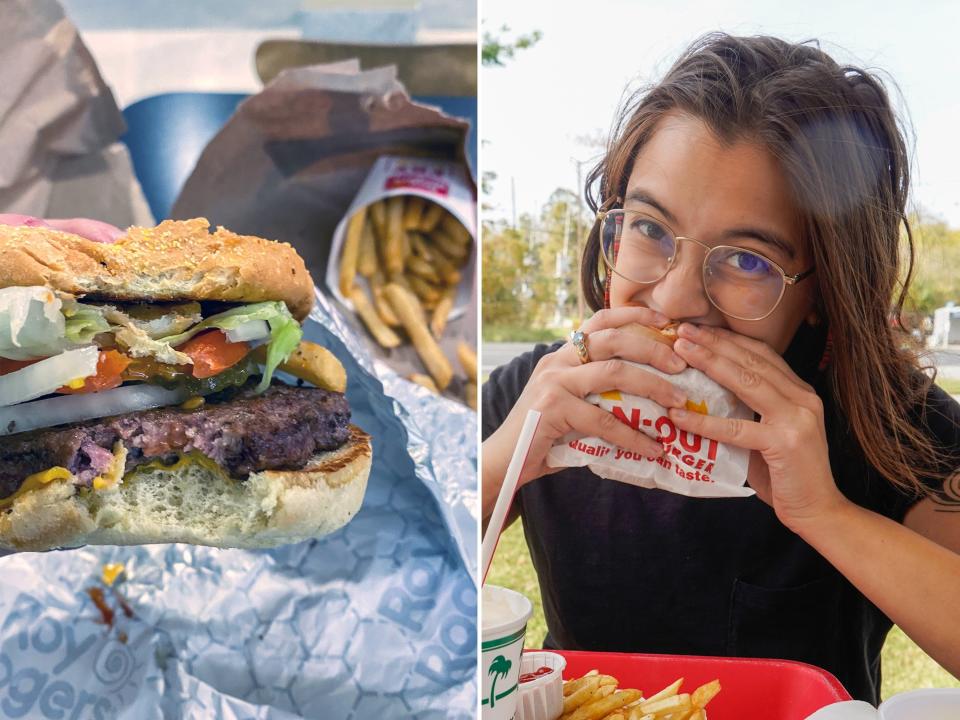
505, 615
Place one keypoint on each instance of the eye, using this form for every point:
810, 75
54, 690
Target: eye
748, 263
652, 234
651, 229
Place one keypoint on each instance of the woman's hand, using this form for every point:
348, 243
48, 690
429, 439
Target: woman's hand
790, 465
85, 227
560, 383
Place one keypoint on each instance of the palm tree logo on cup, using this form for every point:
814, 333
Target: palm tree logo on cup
500, 667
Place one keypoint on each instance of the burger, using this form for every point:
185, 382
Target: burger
139, 401
667, 335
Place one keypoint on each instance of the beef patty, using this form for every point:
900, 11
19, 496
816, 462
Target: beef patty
278, 430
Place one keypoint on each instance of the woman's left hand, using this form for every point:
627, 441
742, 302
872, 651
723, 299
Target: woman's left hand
789, 465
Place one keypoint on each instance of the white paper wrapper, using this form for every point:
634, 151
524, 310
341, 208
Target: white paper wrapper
692, 465
377, 620
440, 182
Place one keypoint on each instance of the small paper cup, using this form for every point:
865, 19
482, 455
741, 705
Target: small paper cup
501, 648
542, 697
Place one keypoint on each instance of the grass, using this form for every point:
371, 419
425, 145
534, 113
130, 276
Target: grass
951, 385
905, 666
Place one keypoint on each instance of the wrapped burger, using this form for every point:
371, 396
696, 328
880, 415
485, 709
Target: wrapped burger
691, 464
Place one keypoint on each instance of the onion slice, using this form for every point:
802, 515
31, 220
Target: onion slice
250, 330
44, 377
74, 408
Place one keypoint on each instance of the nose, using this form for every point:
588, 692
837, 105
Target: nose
680, 294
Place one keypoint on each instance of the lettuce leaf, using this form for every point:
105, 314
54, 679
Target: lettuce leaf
234, 317
31, 324
285, 335
84, 322
285, 332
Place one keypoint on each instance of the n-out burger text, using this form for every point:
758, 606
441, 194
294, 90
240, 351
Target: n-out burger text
691, 464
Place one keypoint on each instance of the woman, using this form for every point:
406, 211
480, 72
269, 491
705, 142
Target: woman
756, 195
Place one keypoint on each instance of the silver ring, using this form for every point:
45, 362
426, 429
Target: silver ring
579, 340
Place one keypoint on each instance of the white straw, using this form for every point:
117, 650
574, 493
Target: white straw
507, 490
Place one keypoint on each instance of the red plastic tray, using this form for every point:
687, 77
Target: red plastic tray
752, 689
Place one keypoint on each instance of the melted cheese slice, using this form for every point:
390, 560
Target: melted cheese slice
183, 460
35, 482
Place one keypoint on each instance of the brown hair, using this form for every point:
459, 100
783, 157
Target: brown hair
838, 141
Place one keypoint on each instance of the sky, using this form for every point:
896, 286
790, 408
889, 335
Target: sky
535, 111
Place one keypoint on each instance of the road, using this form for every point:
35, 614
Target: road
496, 354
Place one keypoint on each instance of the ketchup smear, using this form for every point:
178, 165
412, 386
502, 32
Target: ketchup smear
540, 671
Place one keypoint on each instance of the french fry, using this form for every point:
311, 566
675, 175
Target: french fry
424, 380
351, 251
392, 241
378, 215
367, 260
468, 360
445, 268
313, 363
580, 694
419, 247
379, 301
422, 269
705, 693
405, 307
405, 250
571, 686
470, 390
444, 243
671, 704
431, 217
697, 714
423, 290
455, 229
413, 212
615, 716
438, 319
381, 333
598, 709
671, 689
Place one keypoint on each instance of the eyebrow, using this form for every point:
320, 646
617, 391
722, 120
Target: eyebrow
768, 237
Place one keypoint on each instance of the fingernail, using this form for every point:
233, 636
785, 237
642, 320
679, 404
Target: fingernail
690, 329
676, 363
683, 344
660, 317
678, 413
679, 399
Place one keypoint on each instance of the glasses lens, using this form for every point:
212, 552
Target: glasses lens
636, 246
741, 282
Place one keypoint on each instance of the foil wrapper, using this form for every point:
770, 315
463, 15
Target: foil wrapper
377, 620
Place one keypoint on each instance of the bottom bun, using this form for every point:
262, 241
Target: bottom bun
198, 505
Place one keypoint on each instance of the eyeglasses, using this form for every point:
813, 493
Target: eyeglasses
740, 283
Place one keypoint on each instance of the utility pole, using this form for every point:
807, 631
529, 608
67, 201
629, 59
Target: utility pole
580, 243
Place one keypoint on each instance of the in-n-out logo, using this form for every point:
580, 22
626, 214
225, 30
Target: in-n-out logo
431, 178
56, 665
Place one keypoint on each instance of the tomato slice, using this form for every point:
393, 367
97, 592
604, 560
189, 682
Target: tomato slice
110, 367
212, 353
9, 366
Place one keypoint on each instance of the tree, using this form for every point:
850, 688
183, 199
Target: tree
530, 273
497, 48
935, 278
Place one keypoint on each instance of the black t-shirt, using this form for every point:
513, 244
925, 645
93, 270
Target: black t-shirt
629, 569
